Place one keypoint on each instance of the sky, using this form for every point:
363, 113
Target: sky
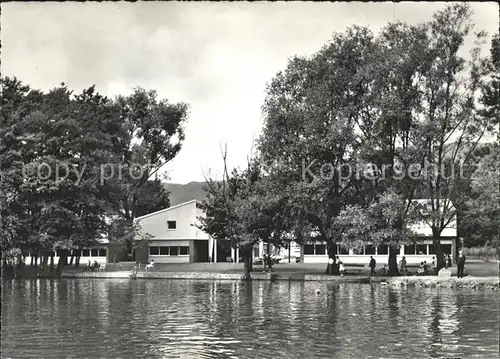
217, 56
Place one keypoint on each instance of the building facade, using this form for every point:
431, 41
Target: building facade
422, 250
174, 236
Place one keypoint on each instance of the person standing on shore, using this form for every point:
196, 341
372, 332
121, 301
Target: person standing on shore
341, 269
372, 265
460, 265
330, 266
402, 266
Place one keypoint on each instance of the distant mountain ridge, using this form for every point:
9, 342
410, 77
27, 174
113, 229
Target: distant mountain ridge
180, 193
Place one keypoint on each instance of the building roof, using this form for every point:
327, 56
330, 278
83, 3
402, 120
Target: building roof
168, 209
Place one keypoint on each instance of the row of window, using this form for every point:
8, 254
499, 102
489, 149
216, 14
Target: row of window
96, 252
169, 251
320, 249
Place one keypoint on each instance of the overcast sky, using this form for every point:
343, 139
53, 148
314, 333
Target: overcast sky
217, 57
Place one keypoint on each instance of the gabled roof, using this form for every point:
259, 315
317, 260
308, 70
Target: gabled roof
168, 209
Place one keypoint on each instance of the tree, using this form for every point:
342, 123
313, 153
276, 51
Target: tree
60, 142
241, 210
151, 197
403, 102
450, 119
309, 139
55, 150
151, 135
480, 217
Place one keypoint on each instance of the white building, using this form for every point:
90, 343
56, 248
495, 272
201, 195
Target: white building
175, 237
423, 250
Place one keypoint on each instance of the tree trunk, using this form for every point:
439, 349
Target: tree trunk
51, 263
247, 260
77, 261
71, 259
62, 261
36, 260
32, 260
269, 264
19, 266
440, 261
332, 254
7, 269
393, 261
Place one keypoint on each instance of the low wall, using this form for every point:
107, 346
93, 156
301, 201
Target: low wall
445, 282
426, 281
216, 276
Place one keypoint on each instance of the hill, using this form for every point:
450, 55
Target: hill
180, 193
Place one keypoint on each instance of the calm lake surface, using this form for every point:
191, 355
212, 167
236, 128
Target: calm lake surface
89, 318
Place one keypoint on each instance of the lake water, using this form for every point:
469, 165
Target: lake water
88, 318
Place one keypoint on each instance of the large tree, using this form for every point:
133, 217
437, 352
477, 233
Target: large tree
405, 103
154, 132
451, 122
54, 145
479, 217
70, 162
309, 138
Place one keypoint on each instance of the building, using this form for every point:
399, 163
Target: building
423, 250
174, 235
98, 253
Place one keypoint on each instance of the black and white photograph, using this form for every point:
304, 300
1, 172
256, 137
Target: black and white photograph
234, 179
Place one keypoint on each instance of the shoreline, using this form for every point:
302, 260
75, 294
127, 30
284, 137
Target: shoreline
425, 281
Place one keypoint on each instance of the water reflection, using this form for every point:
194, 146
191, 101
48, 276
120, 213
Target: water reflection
202, 319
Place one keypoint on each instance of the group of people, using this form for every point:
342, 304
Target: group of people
422, 270
338, 264
424, 267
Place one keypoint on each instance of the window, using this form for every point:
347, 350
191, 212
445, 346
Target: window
94, 252
383, 249
370, 249
358, 251
320, 249
256, 252
342, 250
421, 248
86, 253
184, 251
154, 251
164, 251
171, 224
410, 249
446, 248
309, 249
174, 251
102, 252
